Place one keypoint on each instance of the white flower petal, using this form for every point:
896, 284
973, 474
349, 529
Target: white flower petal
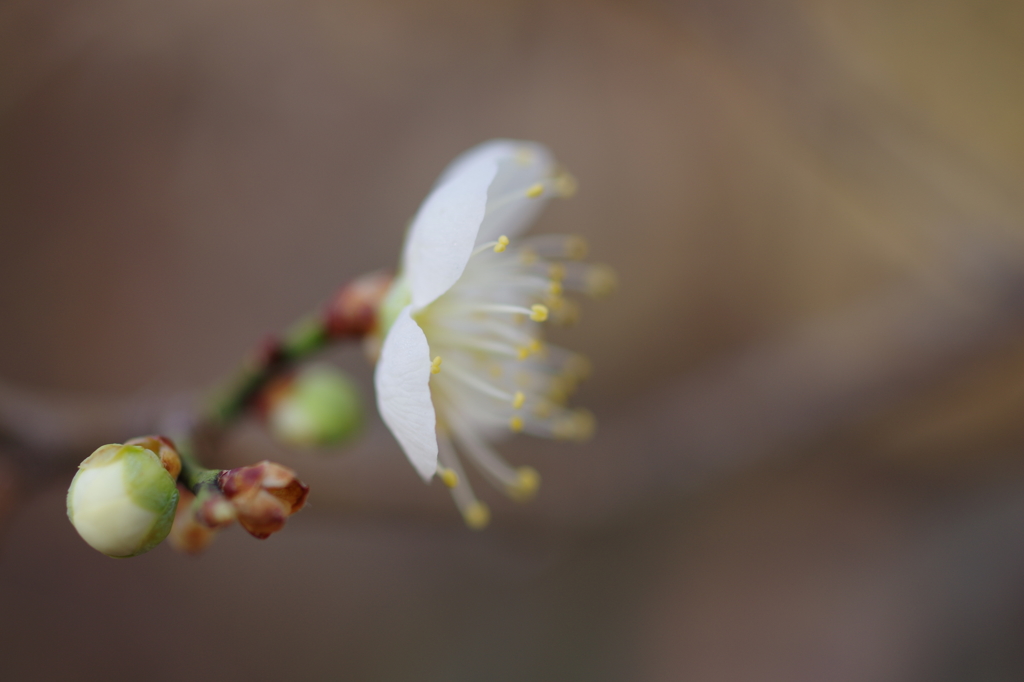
402, 382
443, 233
521, 165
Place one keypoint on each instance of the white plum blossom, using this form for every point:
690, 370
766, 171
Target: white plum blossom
463, 362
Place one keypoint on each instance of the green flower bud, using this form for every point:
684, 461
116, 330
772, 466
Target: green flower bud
317, 406
122, 500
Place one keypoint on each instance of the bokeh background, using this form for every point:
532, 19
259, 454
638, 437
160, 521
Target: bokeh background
809, 386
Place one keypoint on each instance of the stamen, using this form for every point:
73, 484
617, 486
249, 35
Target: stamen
576, 247
534, 191
472, 343
498, 245
572, 247
477, 515
516, 424
565, 184
543, 410
490, 463
536, 312
518, 400
447, 476
526, 486
578, 425
555, 288
600, 281
474, 512
435, 365
479, 384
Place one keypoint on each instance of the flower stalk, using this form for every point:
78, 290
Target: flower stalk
351, 315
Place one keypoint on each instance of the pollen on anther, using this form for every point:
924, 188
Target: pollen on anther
555, 288
576, 247
516, 423
501, 245
527, 484
477, 515
518, 399
448, 476
565, 184
535, 191
539, 312
435, 365
522, 352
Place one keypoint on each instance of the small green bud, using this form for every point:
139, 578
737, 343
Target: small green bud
122, 500
317, 406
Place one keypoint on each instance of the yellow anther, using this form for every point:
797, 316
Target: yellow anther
555, 288
535, 191
578, 426
565, 184
576, 247
448, 476
435, 365
539, 312
557, 272
536, 346
477, 515
516, 423
501, 245
526, 485
601, 281
518, 399
564, 310
522, 352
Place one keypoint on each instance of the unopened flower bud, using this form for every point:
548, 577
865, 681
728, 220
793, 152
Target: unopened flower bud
122, 500
264, 496
353, 312
316, 406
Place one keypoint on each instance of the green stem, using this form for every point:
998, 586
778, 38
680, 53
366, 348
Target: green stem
306, 338
193, 474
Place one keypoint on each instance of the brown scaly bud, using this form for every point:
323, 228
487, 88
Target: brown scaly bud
353, 312
162, 447
264, 495
188, 535
213, 510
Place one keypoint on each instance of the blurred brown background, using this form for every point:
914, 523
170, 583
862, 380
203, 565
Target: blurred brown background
809, 387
